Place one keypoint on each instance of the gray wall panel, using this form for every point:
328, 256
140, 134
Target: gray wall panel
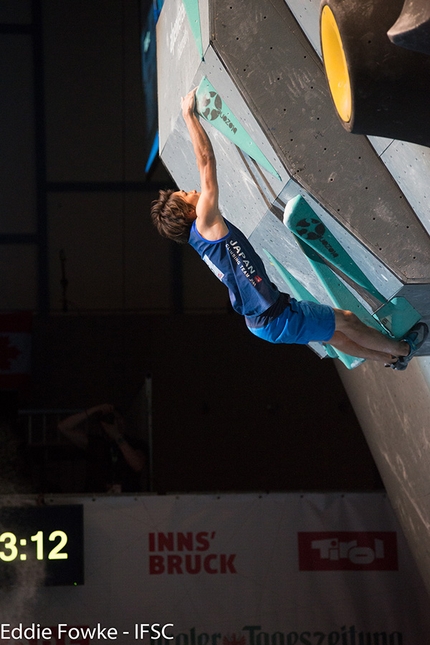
282, 80
408, 163
177, 63
393, 409
272, 71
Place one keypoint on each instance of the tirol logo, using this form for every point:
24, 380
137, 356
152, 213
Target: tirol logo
348, 551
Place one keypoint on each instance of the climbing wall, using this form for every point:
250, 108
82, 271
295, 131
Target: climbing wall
264, 101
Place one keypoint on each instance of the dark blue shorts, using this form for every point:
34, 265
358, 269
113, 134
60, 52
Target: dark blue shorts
300, 323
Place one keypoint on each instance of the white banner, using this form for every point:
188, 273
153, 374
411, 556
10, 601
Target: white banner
238, 569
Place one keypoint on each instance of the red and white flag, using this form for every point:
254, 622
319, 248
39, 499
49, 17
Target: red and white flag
15, 349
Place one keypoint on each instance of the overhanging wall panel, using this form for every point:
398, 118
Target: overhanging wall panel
174, 41
281, 79
263, 52
408, 163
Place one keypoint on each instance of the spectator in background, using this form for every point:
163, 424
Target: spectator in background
116, 462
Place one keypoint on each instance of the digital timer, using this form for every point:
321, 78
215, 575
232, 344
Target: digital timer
11, 550
48, 537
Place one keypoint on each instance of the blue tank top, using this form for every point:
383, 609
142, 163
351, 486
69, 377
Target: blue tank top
234, 261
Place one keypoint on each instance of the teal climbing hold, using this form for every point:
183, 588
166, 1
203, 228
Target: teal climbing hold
211, 107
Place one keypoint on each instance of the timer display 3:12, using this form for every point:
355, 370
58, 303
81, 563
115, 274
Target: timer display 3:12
47, 539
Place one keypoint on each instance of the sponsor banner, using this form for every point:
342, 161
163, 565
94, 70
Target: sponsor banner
247, 569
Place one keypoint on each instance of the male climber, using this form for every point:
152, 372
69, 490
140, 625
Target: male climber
269, 314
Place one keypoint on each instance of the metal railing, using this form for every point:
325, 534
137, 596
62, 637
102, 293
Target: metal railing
40, 426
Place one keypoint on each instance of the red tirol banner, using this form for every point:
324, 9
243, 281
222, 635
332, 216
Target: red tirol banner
15, 349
